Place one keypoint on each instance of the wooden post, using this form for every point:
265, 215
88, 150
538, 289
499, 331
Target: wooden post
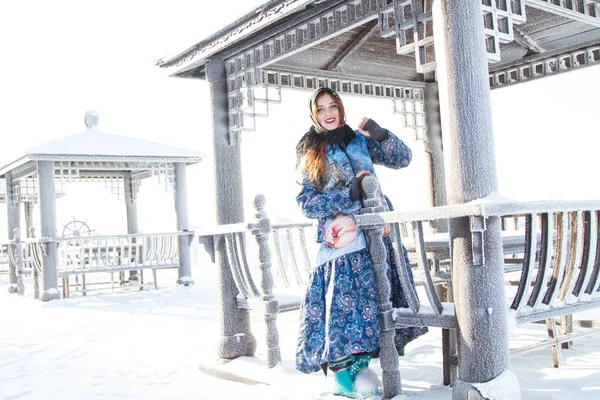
14, 219
477, 259
392, 385
185, 263
262, 231
45, 170
236, 338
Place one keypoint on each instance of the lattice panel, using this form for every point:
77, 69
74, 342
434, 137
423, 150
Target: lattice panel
16, 193
115, 184
546, 66
413, 25
499, 16
413, 113
407, 101
27, 189
66, 171
135, 188
166, 175
244, 69
414, 32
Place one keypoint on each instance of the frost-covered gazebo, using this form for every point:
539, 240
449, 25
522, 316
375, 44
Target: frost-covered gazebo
436, 60
122, 163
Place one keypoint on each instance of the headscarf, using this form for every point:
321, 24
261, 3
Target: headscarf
340, 136
312, 106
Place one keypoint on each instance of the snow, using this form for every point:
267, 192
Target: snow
492, 197
503, 387
93, 142
159, 344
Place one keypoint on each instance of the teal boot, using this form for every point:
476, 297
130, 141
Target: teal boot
346, 377
344, 383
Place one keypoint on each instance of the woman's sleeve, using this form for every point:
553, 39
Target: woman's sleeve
391, 152
315, 204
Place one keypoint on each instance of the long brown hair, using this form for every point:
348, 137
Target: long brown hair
314, 161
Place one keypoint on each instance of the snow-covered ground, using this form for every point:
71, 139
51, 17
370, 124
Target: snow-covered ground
155, 344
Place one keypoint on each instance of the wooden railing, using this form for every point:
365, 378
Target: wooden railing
80, 256
554, 249
559, 275
3, 257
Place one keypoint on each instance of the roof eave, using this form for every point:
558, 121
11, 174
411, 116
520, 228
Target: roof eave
118, 158
258, 18
4, 169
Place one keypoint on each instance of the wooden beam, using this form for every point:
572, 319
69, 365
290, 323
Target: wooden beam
527, 41
360, 39
563, 11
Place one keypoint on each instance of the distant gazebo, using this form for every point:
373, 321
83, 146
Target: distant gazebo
122, 163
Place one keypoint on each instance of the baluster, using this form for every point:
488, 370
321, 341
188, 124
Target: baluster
35, 262
17, 258
574, 255
595, 276
234, 264
398, 254
241, 243
305, 258
434, 300
261, 230
560, 254
292, 250
544, 269
589, 252
528, 261
280, 264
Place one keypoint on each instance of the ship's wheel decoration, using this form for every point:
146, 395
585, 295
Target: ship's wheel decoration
76, 228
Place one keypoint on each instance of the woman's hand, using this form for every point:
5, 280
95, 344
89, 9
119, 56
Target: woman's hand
370, 128
361, 126
355, 188
340, 232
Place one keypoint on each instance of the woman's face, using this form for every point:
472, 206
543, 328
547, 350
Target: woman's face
328, 112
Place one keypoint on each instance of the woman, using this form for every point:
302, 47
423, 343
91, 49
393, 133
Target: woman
339, 319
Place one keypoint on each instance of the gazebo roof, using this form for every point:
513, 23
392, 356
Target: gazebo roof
93, 146
354, 38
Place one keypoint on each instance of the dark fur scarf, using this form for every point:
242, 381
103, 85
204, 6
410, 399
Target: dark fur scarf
312, 139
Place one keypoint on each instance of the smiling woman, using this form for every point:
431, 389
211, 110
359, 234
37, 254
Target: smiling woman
339, 320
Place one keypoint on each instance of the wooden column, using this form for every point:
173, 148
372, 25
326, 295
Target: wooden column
477, 259
132, 214
181, 210
47, 198
14, 222
236, 337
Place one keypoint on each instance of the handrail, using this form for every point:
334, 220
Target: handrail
482, 209
244, 227
100, 237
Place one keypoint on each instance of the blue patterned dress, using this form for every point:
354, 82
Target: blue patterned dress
340, 311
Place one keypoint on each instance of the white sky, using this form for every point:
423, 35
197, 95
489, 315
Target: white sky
64, 57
